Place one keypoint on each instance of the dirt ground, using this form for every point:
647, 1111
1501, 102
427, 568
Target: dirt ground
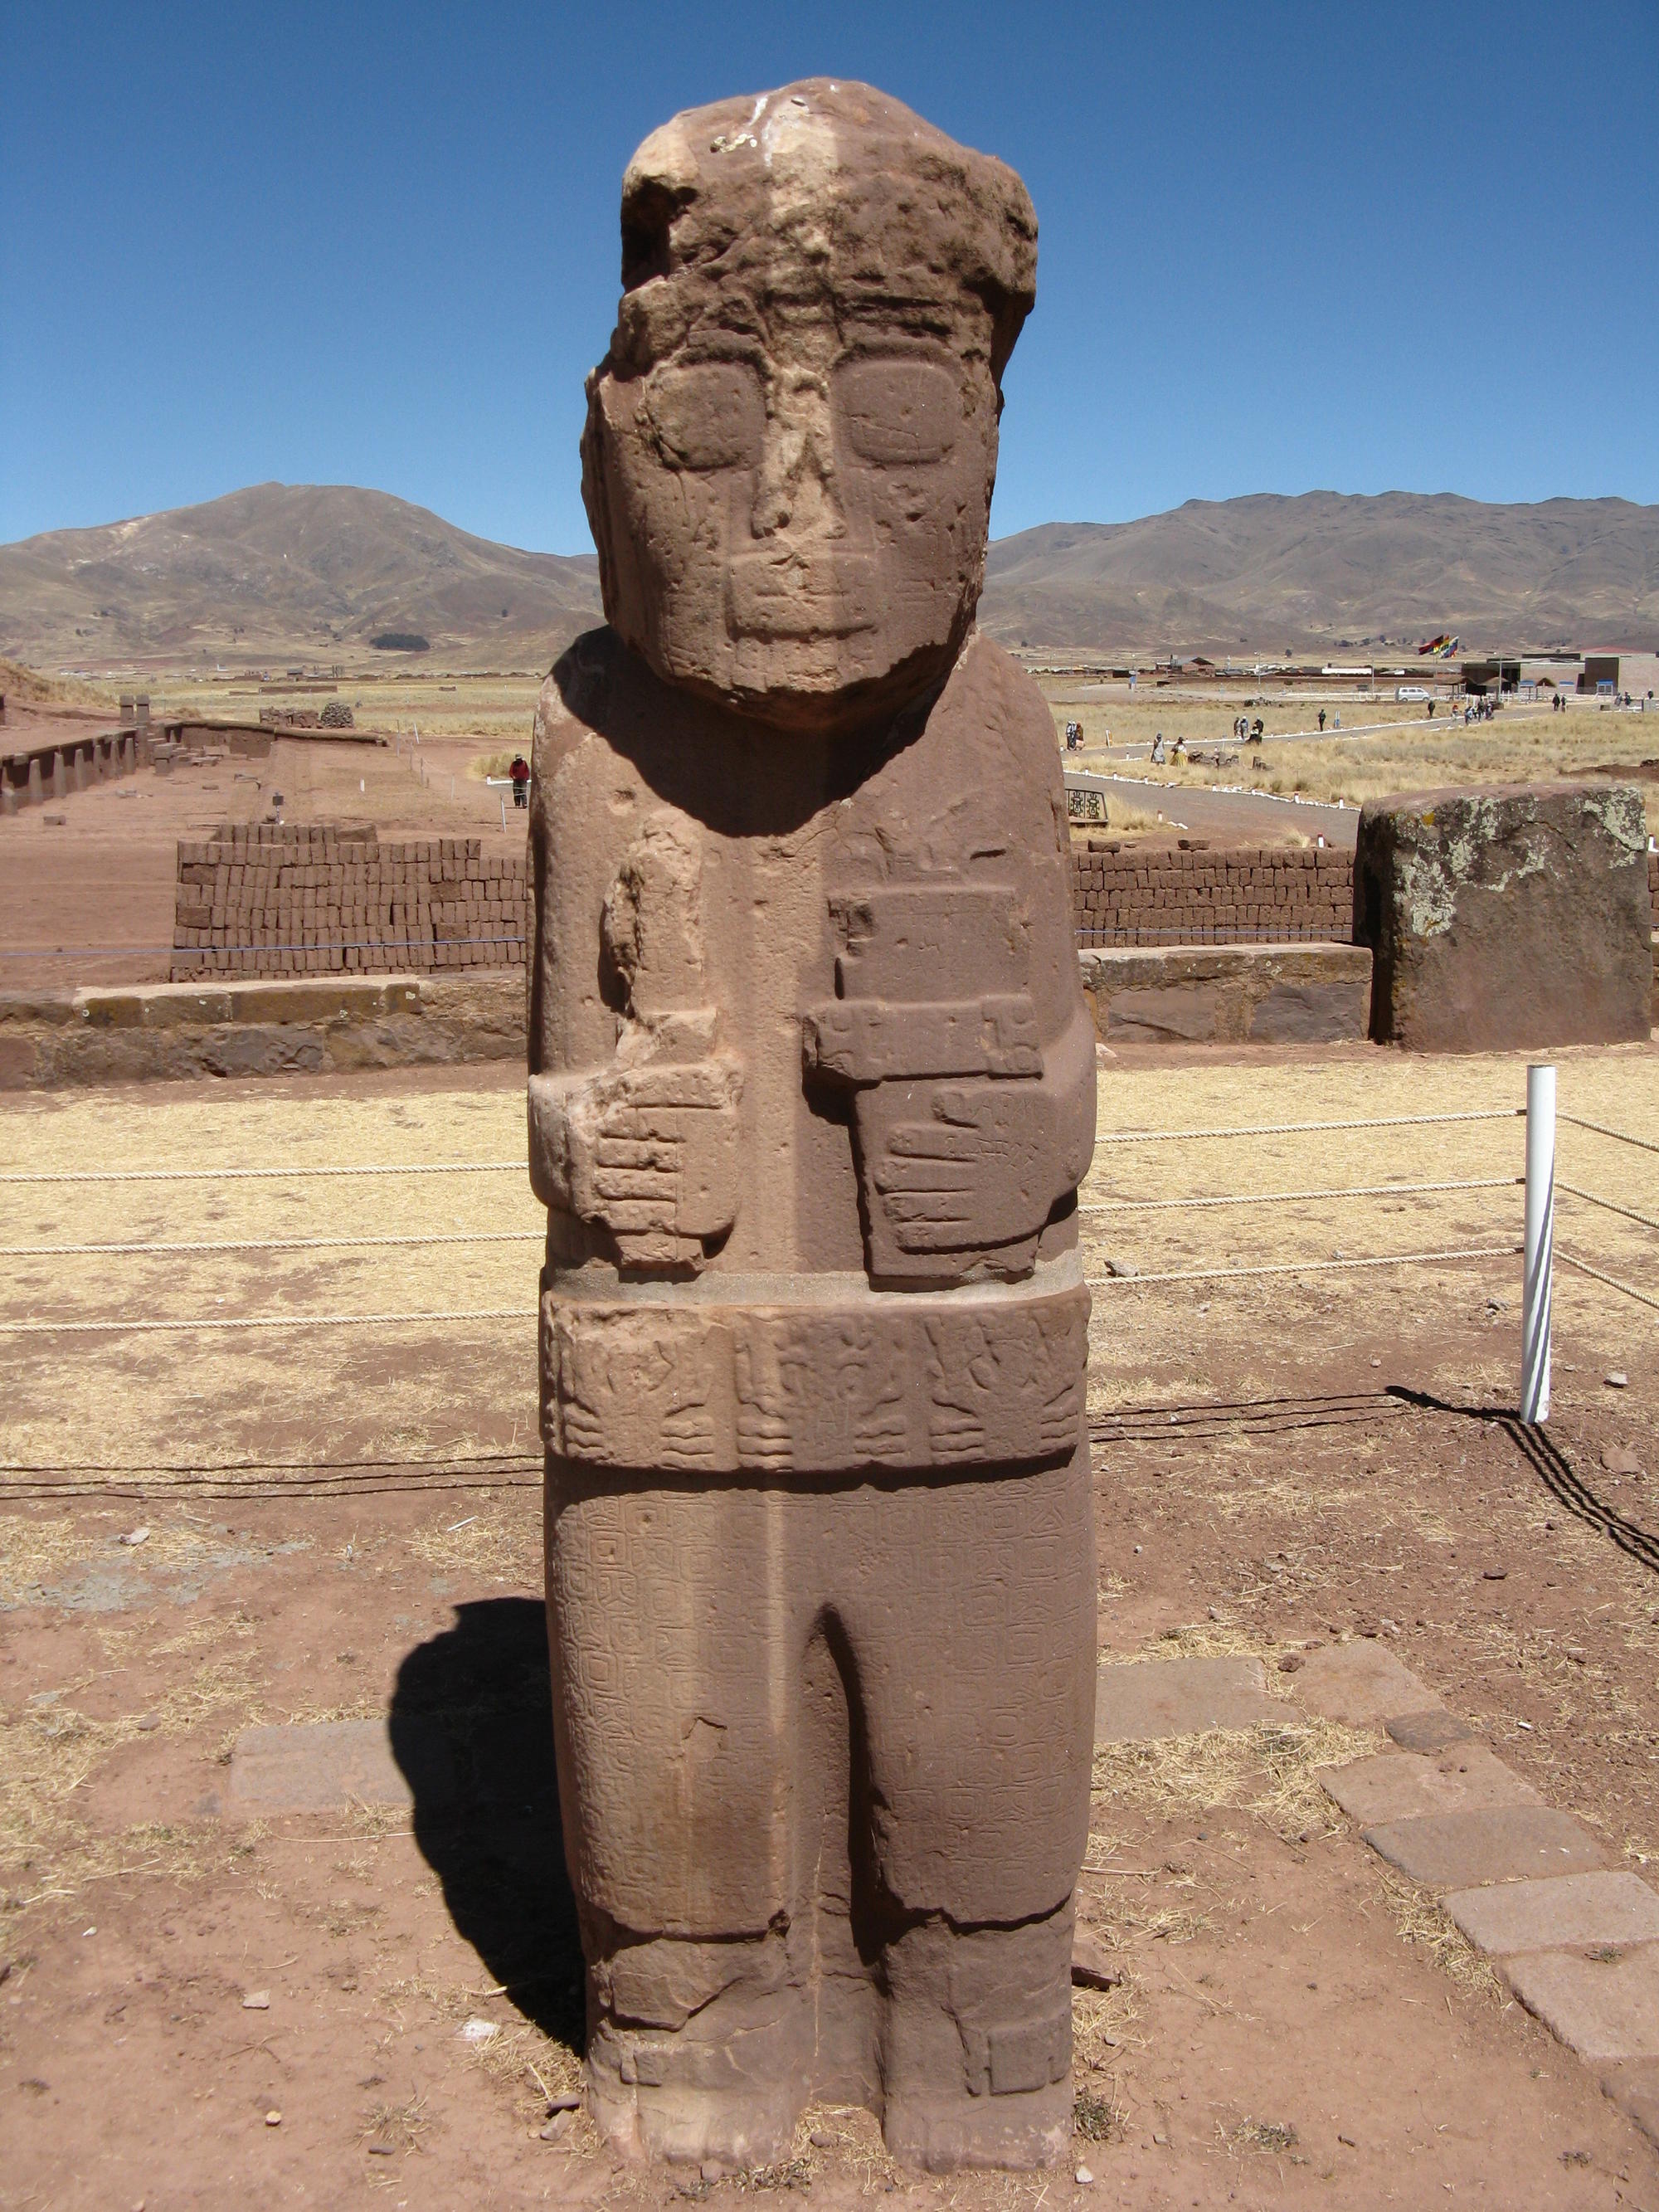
89, 897
1279, 1459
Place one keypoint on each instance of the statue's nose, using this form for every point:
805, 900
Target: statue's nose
797, 492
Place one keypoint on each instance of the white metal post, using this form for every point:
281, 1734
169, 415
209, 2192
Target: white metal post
1540, 1245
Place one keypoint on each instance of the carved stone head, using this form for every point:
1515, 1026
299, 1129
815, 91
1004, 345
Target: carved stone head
791, 445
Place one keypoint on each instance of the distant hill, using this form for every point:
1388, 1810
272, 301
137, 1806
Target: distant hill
317, 572
312, 571
1312, 572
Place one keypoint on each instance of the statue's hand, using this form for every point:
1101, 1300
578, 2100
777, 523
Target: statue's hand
974, 1170
647, 1153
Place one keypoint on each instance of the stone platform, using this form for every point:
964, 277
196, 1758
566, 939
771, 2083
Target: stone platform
152, 1032
1229, 993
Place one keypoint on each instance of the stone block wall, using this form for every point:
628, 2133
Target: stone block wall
54, 768
285, 899
1213, 894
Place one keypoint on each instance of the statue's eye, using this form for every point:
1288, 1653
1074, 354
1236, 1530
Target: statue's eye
898, 411
710, 416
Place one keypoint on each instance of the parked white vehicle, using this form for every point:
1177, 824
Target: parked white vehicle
1411, 694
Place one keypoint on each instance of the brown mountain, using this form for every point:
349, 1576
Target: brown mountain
318, 571
288, 571
1313, 572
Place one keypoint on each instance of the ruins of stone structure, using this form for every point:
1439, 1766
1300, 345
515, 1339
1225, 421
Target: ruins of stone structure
811, 1090
1508, 919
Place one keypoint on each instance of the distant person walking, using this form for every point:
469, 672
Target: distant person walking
1322, 721
520, 773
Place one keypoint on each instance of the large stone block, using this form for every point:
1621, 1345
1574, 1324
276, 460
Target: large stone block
1514, 918
1603, 2006
1503, 1843
1153, 1698
1564, 1913
1401, 1785
1228, 993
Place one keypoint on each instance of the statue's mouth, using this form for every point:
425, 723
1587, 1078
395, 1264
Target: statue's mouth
825, 593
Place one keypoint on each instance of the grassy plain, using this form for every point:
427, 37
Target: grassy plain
496, 709
1384, 745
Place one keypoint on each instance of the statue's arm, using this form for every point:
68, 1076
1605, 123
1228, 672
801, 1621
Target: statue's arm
633, 1106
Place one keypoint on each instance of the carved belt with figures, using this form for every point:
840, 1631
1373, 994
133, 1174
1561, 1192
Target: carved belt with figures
776, 1375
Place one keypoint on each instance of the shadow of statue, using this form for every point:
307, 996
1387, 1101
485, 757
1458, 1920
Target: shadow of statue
472, 1729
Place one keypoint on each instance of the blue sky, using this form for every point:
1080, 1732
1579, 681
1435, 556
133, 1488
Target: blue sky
1282, 247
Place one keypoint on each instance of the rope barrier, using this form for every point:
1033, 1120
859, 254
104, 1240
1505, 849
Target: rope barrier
1612, 1282
421, 1481
250, 1175
1291, 1197
260, 1321
277, 1244
318, 1467
1647, 1220
1302, 1128
1601, 1129
1305, 1266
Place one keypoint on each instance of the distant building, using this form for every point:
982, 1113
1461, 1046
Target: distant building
1601, 672
1499, 675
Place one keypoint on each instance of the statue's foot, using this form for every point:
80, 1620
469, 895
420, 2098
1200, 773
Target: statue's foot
977, 2045
940, 2131
693, 2051
730, 2129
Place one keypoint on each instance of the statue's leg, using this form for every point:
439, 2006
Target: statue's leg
670, 1625
976, 1673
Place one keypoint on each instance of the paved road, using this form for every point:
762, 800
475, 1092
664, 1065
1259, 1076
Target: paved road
1242, 815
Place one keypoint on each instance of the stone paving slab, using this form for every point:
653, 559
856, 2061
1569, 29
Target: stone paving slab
1359, 1683
1462, 1850
1428, 1731
324, 1766
1569, 1912
1403, 1785
1601, 2008
1154, 1697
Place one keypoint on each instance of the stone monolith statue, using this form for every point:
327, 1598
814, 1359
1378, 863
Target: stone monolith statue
812, 1088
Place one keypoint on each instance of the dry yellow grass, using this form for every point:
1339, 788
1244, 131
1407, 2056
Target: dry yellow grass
1522, 744
1132, 1323
498, 707
32, 687
222, 1396
143, 1401
1272, 1769
1418, 1914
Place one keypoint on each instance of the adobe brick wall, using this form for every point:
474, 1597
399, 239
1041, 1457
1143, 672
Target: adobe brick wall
1220, 895
281, 899
284, 899
1213, 895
